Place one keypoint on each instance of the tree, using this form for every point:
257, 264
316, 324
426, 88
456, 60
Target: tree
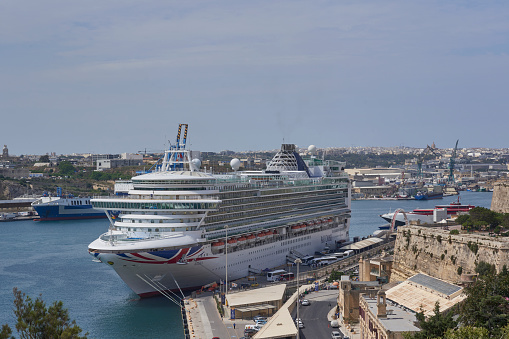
66, 168
35, 320
335, 275
434, 326
467, 332
44, 158
486, 304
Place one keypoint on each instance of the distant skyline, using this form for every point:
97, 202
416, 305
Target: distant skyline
117, 76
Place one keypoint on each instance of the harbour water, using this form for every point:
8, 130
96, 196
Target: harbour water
50, 258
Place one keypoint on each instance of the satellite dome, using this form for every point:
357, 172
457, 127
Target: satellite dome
312, 149
196, 163
235, 164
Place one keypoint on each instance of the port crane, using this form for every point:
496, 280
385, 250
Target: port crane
420, 158
452, 162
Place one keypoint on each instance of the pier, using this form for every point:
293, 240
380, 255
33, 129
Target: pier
204, 320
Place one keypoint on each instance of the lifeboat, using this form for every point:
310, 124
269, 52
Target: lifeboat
260, 235
217, 244
251, 238
295, 228
242, 240
232, 242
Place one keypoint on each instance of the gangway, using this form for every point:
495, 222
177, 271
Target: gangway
254, 270
297, 253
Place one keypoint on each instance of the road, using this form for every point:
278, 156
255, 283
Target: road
314, 316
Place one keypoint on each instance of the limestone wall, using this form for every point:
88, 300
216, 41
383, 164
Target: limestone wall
439, 254
500, 199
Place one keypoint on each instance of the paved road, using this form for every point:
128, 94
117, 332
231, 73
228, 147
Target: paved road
314, 316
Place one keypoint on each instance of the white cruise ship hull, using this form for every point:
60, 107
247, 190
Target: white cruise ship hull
149, 273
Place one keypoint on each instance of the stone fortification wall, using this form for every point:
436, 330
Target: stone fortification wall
500, 199
440, 254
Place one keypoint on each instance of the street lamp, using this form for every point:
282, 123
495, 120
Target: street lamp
226, 255
298, 262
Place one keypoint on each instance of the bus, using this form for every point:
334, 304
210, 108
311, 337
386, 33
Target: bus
341, 255
286, 276
274, 275
324, 260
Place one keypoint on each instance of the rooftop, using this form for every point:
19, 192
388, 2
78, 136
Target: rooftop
398, 319
256, 296
422, 292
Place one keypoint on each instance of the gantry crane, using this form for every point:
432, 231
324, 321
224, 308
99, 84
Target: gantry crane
420, 158
452, 162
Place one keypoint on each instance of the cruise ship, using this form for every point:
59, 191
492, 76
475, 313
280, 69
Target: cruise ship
181, 228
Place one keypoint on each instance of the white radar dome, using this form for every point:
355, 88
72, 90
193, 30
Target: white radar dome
312, 149
235, 164
196, 163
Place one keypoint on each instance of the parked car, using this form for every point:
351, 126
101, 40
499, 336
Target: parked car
299, 323
336, 335
259, 317
305, 302
255, 284
334, 323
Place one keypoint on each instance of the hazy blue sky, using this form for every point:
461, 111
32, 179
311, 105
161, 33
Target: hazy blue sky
119, 76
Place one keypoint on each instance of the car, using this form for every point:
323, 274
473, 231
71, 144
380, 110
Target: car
261, 322
336, 335
334, 323
255, 284
305, 302
299, 323
259, 317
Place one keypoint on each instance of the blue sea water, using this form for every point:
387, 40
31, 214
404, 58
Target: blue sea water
51, 258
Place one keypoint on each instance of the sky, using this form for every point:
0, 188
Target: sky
119, 76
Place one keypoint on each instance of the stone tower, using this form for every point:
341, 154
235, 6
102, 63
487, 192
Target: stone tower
5, 152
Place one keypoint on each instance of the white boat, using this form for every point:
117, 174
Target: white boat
178, 226
426, 215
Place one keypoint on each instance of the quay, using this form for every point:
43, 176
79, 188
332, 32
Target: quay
202, 315
17, 210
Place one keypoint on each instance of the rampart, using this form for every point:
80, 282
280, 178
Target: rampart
442, 255
500, 199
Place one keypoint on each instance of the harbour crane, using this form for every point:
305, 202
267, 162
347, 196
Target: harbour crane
420, 158
452, 162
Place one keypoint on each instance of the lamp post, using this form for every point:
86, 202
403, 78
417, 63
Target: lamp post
226, 255
298, 262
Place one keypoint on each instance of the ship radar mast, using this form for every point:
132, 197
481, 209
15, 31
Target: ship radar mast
177, 158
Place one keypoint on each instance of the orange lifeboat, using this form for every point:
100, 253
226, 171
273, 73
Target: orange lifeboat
232, 241
251, 238
217, 244
295, 227
242, 240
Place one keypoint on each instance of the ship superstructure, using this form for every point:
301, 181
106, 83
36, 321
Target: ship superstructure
176, 225
65, 207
